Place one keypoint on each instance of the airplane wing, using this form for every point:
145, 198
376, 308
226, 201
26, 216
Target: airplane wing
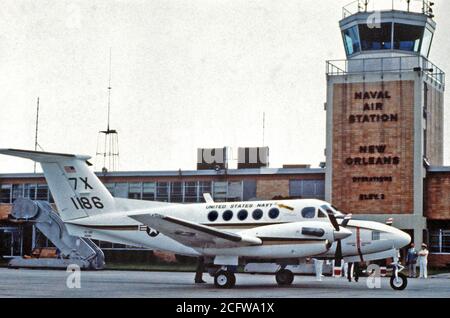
193, 234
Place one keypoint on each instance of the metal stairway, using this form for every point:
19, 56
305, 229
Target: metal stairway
73, 250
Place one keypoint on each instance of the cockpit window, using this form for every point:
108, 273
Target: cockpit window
309, 213
332, 209
321, 214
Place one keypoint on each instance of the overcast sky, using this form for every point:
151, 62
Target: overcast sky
185, 74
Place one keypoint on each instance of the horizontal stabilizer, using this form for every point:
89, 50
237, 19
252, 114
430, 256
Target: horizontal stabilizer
41, 156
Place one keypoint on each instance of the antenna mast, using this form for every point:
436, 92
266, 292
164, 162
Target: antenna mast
264, 129
110, 151
36, 132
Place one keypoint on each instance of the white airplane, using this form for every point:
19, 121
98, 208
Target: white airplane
224, 234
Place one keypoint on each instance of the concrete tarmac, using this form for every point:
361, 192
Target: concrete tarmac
125, 284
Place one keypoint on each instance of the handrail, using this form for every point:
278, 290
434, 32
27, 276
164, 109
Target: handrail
400, 64
357, 6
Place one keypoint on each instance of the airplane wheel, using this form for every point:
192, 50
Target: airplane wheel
399, 284
224, 279
284, 277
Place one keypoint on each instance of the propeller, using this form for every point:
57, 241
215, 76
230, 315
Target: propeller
344, 223
333, 220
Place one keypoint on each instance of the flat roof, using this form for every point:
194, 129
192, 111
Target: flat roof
439, 169
186, 173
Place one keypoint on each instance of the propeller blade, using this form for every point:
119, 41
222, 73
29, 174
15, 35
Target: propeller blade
333, 220
338, 254
347, 219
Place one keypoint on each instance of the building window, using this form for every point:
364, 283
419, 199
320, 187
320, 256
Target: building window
135, 191
148, 191
351, 40
257, 214
204, 187
235, 191
212, 216
440, 241
309, 213
249, 190
242, 215
407, 37
29, 191
17, 191
162, 191
121, 190
376, 38
227, 215
190, 191
5, 193
176, 192
274, 213
42, 192
307, 189
220, 191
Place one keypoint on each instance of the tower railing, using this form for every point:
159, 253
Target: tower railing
400, 64
417, 6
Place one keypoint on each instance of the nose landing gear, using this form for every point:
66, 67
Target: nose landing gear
398, 281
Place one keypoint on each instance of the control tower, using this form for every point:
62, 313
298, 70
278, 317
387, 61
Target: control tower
384, 113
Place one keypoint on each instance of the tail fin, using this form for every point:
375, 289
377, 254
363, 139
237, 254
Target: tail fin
76, 189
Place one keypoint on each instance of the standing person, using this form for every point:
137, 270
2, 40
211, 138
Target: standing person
199, 271
423, 261
353, 271
318, 264
411, 260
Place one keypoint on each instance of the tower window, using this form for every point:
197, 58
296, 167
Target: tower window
376, 38
407, 37
351, 40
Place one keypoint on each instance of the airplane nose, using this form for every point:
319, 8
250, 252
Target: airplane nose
401, 239
342, 233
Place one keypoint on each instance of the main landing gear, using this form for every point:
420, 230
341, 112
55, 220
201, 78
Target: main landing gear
224, 279
284, 277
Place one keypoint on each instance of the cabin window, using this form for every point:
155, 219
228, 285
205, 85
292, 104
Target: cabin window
242, 215
227, 215
309, 213
213, 215
274, 213
257, 214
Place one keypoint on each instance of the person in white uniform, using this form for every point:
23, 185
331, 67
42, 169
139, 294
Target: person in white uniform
318, 265
423, 261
